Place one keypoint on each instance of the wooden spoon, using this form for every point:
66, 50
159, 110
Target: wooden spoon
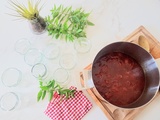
143, 42
119, 114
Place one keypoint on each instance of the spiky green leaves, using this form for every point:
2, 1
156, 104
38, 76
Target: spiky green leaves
29, 12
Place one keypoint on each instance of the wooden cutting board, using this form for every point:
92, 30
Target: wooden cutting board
112, 112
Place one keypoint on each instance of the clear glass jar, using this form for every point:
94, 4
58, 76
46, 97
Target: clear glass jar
38, 25
67, 61
22, 46
51, 51
82, 45
33, 56
39, 70
9, 101
61, 76
11, 77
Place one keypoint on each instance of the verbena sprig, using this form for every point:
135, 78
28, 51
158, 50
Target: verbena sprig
50, 88
67, 23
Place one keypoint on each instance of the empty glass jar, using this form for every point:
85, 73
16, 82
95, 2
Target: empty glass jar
39, 70
9, 101
51, 51
22, 46
33, 56
67, 61
11, 77
82, 45
61, 76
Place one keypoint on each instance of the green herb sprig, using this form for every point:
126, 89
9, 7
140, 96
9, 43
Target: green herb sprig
50, 88
66, 23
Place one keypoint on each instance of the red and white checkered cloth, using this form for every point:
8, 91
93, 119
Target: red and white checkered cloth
71, 109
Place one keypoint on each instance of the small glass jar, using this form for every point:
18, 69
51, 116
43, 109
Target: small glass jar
38, 25
61, 76
82, 45
11, 77
9, 101
67, 61
51, 51
22, 46
39, 70
33, 56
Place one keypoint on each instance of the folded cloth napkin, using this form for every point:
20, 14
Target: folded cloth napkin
70, 109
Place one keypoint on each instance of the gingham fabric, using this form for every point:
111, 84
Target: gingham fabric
71, 109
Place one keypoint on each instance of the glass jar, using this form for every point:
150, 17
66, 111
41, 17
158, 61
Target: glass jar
22, 46
38, 25
33, 56
61, 76
39, 70
67, 61
9, 101
51, 51
82, 45
11, 77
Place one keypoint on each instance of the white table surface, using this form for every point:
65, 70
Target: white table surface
114, 20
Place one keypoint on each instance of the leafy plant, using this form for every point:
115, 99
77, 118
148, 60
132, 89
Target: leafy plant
52, 88
67, 23
31, 12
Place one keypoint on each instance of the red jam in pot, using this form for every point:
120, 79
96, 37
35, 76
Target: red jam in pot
118, 78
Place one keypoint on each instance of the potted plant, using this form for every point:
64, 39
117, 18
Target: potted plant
31, 13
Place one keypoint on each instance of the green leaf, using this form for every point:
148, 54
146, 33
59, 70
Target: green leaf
44, 87
79, 30
50, 95
49, 84
48, 19
57, 86
43, 94
54, 7
65, 26
69, 9
82, 34
62, 18
57, 36
40, 78
39, 95
56, 22
64, 10
40, 83
90, 23
87, 14
53, 83
55, 14
59, 7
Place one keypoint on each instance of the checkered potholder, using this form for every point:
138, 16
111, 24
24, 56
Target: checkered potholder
71, 109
